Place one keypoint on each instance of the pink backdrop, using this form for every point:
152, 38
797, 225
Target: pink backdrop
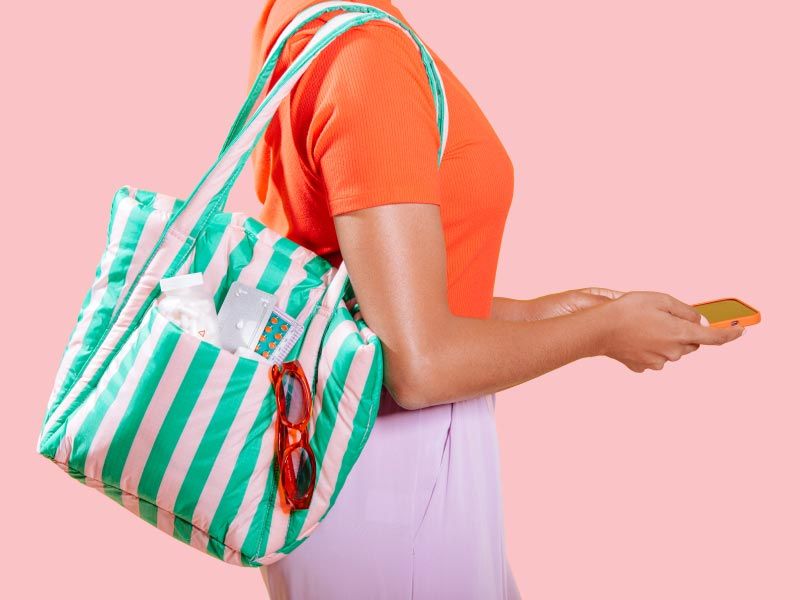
656, 147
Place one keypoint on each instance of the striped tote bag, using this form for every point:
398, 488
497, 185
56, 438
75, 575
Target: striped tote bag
178, 430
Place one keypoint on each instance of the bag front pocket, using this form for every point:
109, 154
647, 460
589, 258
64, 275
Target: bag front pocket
180, 431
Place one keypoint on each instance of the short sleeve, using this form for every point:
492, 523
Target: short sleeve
374, 137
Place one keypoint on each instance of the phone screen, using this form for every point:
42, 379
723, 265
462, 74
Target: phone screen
723, 310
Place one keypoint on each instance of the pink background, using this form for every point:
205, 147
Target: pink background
656, 147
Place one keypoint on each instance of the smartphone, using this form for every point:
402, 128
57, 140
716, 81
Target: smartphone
726, 312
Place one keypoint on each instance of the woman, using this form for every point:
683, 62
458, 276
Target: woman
348, 168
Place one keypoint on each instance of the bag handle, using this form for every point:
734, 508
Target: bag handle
211, 193
315, 11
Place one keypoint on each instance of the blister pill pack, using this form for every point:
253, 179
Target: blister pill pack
250, 321
278, 336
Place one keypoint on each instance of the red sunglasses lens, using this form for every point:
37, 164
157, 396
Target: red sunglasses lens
296, 402
301, 474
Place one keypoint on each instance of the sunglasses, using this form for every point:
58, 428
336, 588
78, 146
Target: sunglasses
297, 465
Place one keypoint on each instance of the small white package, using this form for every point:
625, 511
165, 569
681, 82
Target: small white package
190, 305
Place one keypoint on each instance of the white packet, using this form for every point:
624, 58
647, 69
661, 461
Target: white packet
189, 304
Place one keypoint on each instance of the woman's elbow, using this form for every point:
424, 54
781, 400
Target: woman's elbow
411, 379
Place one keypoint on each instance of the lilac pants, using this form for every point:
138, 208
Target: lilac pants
420, 515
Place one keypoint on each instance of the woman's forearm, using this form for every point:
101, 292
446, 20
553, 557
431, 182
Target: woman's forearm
467, 357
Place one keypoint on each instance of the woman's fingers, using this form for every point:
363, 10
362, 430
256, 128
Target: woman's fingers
598, 291
681, 309
582, 300
700, 334
656, 362
682, 351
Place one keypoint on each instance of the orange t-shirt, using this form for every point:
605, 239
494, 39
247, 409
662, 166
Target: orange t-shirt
359, 130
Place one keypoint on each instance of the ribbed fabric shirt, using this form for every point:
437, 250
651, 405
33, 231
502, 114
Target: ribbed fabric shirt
359, 130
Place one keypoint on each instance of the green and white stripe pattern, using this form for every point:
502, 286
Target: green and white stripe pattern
180, 431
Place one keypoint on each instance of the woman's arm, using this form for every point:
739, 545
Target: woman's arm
395, 254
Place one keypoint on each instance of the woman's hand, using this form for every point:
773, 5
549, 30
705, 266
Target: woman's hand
552, 305
646, 329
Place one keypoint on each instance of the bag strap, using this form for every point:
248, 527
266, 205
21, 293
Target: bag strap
314, 12
210, 195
